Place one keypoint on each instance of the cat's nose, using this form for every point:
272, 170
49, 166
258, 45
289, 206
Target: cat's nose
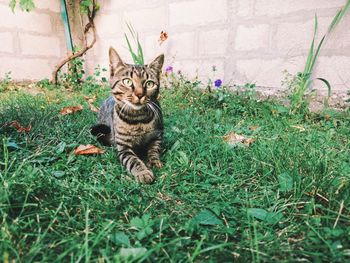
138, 93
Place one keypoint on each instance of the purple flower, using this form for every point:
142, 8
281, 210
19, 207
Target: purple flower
217, 83
169, 69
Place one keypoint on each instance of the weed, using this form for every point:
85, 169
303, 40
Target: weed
74, 74
4, 83
137, 56
302, 82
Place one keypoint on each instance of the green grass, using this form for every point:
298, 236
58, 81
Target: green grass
276, 200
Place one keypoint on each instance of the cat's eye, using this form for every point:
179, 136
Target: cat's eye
149, 84
127, 82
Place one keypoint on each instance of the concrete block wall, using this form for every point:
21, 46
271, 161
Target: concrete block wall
247, 40
31, 43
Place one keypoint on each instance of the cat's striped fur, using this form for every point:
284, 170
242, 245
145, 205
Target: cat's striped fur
131, 119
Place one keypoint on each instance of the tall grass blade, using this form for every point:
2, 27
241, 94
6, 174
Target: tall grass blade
310, 56
133, 55
317, 53
140, 52
137, 56
339, 16
326, 82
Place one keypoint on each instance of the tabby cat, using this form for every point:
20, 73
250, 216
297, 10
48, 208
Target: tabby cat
131, 119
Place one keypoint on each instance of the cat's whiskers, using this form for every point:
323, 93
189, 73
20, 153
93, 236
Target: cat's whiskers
123, 108
153, 103
154, 111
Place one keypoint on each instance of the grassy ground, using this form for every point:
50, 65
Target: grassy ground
284, 198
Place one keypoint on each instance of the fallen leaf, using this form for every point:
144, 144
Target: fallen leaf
300, 128
90, 102
93, 108
327, 117
71, 109
207, 218
234, 139
163, 36
87, 150
248, 141
253, 128
18, 126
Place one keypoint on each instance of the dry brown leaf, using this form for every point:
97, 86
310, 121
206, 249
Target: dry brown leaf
87, 150
253, 128
327, 117
90, 102
71, 109
18, 126
234, 139
248, 141
93, 108
163, 36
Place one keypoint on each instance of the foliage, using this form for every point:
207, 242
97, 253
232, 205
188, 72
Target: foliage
5, 81
26, 5
86, 5
303, 80
137, 56
74, 74
279, 199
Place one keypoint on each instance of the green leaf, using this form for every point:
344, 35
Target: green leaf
132, 252
285, 182
27, 5
258, 213
263, 215
144, 233
143, 225
273, 217
12, 5
136, 222
60, 148
207, 218
58, 174
120, 238
12, 145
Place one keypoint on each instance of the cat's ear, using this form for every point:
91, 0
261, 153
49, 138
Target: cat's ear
157, 63
115, 61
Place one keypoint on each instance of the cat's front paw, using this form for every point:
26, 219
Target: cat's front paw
155, 163
145, 176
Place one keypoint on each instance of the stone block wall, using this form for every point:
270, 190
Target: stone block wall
31, 43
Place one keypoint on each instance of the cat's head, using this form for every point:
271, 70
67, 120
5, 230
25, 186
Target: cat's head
133, 84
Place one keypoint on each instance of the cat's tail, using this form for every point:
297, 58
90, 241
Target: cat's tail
103, 134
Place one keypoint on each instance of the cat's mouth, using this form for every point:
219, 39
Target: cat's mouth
135, 106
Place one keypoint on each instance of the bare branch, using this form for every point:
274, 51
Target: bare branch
90, 26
